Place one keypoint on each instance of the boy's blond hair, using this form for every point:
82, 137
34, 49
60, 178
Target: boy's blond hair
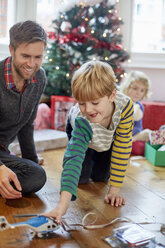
93, 80
135, 76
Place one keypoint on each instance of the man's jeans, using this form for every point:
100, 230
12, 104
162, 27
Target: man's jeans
31, 176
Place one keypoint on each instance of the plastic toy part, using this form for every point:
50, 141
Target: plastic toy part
40, 225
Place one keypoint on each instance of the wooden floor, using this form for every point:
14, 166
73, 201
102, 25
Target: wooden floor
144, 189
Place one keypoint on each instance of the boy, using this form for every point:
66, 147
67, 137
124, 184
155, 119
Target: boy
101, 139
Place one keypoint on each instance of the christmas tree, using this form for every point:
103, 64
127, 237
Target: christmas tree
80, 34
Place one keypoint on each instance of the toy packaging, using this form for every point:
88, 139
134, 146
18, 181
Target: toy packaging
131, 235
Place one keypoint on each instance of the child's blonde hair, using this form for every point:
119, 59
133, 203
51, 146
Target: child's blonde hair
135, 76
93, 80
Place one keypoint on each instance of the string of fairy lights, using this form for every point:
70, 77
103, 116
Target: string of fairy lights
104, 34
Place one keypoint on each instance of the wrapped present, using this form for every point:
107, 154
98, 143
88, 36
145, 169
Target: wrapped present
60, 106
157, 137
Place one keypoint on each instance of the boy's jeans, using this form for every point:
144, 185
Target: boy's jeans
96, 165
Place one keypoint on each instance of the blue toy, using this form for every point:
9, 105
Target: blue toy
40, 225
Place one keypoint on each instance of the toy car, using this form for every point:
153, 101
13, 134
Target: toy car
41, 225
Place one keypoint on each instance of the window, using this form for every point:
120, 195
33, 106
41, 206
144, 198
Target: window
7, 14
52, 8
143, 32
148, 29
12, 11
3, 18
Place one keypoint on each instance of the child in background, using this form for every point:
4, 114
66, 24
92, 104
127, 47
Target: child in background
100, 131
136, 85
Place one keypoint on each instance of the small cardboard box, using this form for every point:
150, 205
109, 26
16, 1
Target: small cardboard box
156, 157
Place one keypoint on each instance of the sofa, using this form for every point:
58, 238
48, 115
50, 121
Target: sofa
154, 115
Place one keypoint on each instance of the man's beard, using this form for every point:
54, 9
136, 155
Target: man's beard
20, 74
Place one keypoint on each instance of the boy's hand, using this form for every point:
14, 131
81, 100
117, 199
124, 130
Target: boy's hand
61, 208
57, 213
113, 197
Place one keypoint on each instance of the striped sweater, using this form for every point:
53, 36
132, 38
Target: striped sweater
86, 134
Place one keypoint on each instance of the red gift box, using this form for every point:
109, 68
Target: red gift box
60, 106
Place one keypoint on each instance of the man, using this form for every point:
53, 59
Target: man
22, 82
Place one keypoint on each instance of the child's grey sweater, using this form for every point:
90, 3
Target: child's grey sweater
17, 113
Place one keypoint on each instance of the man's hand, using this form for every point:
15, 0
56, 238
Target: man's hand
40, 160
113, 197
6, 189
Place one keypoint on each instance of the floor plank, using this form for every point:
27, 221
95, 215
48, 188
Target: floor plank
145, 201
